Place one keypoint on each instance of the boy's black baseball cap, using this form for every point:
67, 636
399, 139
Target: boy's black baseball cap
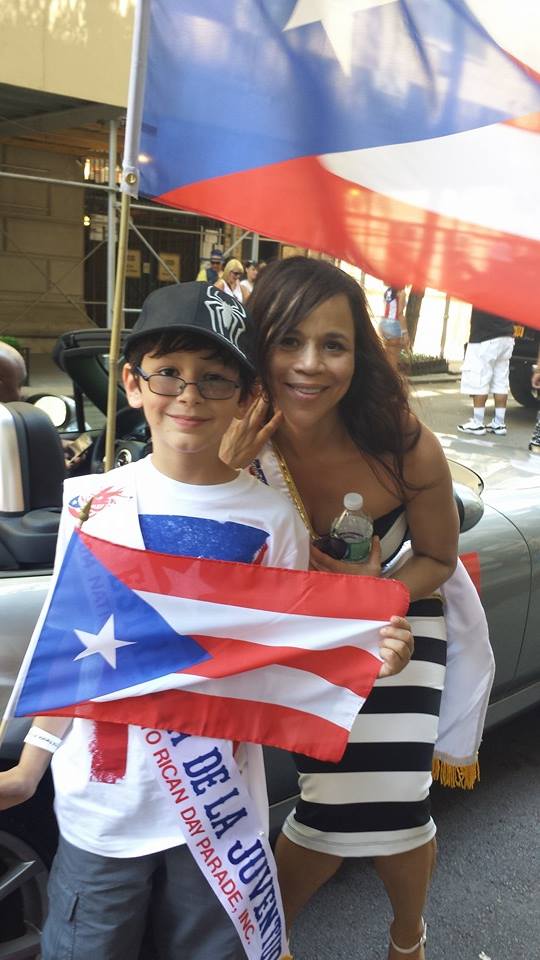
201, 308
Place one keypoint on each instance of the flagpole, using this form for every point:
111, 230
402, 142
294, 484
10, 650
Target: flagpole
114, 349
130, 188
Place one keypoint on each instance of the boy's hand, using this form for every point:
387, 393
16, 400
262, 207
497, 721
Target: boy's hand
397, 646
245, 438
16, 786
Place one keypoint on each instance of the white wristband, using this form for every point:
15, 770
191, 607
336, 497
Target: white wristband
37, 737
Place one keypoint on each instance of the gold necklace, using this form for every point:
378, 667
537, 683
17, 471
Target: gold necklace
293, 491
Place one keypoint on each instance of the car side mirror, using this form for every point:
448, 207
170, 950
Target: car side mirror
470, 506
468, 487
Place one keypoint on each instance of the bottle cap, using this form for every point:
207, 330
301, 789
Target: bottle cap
353, 501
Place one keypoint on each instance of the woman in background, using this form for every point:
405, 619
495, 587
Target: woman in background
229, 281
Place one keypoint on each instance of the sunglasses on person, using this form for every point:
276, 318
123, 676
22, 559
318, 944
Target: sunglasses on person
236, 273
211, 386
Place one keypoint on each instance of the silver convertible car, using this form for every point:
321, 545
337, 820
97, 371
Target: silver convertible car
499, 542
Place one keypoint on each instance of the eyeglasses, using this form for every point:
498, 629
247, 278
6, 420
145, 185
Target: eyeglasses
236, 273
212, 386
216, 263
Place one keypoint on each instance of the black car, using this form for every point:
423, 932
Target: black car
525, 353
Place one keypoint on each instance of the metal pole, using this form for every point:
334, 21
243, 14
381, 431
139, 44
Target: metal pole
154, 252
444, 326
238, 240
114, 351
255, 247
111, 220
83, 184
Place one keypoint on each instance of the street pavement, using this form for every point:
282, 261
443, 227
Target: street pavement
485, 897
441, 405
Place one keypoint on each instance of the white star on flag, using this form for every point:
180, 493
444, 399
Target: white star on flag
103, 642
336, 17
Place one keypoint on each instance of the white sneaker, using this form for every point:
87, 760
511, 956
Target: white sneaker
498, 428
472, 426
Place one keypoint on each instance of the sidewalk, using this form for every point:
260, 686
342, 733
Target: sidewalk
435, 378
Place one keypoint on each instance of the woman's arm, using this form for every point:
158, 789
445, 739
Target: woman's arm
432, 517
433, 523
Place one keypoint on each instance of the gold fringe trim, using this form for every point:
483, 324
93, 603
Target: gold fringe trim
463, 777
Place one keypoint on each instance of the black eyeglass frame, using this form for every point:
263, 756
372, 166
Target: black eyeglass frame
147, 377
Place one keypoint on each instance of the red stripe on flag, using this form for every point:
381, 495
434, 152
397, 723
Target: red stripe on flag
471, 562
222, 718
310, 594
345, 666
386, 237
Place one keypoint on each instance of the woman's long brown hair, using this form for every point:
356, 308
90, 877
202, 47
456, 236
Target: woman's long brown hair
375, 409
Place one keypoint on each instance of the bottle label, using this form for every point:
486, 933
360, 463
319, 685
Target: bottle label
358, 551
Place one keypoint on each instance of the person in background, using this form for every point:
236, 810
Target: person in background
251, 268
229, 281
534, 443
486, 370
393, 327
12, 373
212, 272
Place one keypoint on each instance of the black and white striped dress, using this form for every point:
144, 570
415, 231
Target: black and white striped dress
375, 801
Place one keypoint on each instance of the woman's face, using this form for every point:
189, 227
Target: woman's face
311, 367
233, 277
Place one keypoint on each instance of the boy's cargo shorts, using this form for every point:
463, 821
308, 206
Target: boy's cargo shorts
156, 907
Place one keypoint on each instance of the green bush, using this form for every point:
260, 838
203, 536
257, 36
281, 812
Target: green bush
12, 341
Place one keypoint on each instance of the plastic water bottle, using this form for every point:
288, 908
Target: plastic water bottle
390, 328
354, 528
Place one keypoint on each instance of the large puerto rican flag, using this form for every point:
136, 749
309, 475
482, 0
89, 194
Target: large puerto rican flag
399, 135
213, 648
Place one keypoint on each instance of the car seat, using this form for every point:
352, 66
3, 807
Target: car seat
32, 472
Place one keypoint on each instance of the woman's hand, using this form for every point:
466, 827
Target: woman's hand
325, 564
245, 438
397, 646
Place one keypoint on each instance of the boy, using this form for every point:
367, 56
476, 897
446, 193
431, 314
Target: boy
122, 857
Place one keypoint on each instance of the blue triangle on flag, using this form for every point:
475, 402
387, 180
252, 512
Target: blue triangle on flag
85, 597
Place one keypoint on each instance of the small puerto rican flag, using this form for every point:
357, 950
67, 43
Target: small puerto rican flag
214, 648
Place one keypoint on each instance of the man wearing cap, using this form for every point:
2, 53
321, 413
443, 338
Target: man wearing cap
124, 852
212, 272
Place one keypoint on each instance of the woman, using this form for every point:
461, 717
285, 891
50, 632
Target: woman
395, 300
251, 268
343, 424
229, 281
